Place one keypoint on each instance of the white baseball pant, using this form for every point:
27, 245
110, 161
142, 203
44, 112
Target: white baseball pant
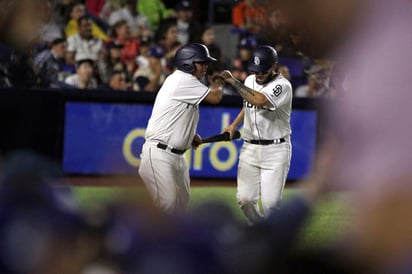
166, 177
262, 173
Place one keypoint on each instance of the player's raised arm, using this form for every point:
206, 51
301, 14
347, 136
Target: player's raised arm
250, 95
262, 66
216, 89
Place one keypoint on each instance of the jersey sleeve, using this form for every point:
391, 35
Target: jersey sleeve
191, 91
279, 93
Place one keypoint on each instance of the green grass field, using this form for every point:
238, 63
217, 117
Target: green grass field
327, 222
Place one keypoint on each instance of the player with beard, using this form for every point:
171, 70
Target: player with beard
264, 159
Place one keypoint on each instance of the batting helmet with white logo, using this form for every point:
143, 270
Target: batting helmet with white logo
192, 53
262, 59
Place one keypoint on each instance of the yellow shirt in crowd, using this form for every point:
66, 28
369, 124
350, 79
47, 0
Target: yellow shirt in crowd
72, 29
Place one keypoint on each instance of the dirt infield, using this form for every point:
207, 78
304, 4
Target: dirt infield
129, 180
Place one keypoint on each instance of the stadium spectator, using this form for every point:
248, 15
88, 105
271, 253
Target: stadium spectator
238, 70
62, 11
239, 66
206, 36
78, 10
187, 28
83, 79
84, 43
166, 38
111, 61
244, 52
49, 63
284, 70
142, 59
52, 28
117, 81
248, 17
121, 34
317, 83
138, 22
156, 12
109, 7
150, 78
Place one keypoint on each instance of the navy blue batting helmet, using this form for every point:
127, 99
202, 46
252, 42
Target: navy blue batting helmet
262, 59
191, 53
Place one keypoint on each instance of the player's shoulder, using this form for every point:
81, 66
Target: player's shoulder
282, 81
181, 76
175, 76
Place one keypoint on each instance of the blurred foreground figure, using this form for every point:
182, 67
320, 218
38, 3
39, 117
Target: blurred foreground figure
38, 219
374, 118
370, 120
20, 21
43, 231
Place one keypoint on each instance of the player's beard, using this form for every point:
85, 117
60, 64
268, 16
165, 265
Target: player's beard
263, 79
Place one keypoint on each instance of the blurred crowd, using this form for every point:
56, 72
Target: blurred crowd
130, 45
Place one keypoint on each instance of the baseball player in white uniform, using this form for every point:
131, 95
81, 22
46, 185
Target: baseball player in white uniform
265, 156
171, 129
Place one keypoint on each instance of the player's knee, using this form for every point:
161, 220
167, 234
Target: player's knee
246, 201
168, 206
270, 206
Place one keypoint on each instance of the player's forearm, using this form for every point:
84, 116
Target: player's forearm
215, 95
250, 95
239, 119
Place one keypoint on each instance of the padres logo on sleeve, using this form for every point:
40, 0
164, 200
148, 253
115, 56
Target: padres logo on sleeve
277, 90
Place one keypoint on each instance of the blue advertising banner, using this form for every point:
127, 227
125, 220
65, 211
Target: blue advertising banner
107, 138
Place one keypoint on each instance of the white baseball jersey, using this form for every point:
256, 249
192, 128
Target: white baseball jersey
263, 169
173, 122
176, 110
268, 123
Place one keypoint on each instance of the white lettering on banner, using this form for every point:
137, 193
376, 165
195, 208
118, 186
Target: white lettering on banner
196, 157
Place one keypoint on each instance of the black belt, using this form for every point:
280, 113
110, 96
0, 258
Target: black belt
173, 150
266, 142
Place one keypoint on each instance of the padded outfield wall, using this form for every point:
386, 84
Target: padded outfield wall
102, 133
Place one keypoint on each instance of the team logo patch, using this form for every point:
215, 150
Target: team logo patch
256, 60
277, 90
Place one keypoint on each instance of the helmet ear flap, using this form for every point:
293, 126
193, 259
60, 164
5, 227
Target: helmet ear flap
188, 68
